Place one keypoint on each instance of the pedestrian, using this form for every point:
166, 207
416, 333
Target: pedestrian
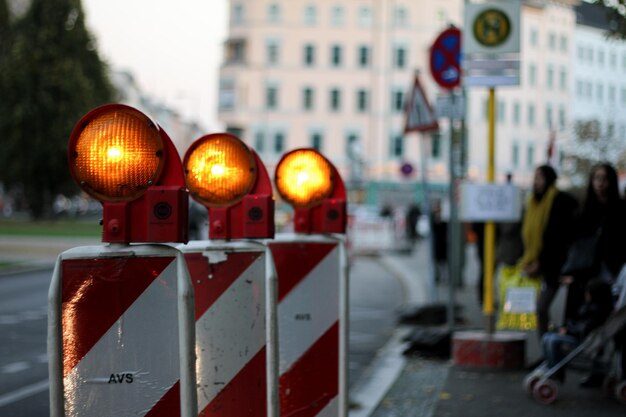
600, 228
602, 223
413, 214
597, 307
439, 230
546, 233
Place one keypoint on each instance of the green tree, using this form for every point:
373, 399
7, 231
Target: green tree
50, 76
616, 15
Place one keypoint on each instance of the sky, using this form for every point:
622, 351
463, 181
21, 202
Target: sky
173, 48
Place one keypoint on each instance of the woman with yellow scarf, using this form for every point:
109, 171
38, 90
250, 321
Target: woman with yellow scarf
547, 231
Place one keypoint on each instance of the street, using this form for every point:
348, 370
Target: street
374, 296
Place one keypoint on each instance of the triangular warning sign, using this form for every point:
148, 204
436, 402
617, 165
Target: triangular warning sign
419, 116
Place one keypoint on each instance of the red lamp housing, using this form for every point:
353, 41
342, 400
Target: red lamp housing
313, 186
229, 178
119, 156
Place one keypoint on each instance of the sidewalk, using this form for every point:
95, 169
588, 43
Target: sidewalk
420, 387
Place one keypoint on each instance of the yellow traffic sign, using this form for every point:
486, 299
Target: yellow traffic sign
492, 27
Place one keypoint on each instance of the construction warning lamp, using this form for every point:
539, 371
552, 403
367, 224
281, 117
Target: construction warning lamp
119, 156
229, 178
312, 185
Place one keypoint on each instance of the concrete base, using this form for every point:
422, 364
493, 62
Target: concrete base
478, 349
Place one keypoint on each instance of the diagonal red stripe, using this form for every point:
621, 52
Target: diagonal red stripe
245, 395
95, 293
313, 381
294, 261
211, 280
168, 405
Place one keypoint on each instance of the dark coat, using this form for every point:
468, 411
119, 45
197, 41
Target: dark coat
557, 237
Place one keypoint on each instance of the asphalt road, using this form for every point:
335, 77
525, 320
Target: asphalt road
374, 296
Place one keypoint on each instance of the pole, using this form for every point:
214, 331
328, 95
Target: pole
454, 237
490, 230
432, 287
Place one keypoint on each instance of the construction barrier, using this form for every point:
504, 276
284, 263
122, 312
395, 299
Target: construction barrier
121, 333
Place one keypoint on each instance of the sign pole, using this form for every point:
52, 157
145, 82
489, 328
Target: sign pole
490, 230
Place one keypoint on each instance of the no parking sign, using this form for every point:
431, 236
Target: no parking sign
445, 58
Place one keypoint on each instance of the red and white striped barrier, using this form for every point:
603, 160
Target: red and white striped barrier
120, 333
234, 287
312, 324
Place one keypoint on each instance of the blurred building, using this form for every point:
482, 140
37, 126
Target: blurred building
181, 132
333, 75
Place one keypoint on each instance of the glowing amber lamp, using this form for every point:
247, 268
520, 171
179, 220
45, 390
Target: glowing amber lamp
117, 155
304, 178
219, 169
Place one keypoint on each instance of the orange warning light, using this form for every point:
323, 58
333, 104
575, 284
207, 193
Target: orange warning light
219, 169
304, 177
117, 154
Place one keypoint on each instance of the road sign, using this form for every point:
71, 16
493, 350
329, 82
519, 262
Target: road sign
235, 327
450, 107
492, 28
490, 202
445, 58
312, 320
491, 44
419, 116
120, 333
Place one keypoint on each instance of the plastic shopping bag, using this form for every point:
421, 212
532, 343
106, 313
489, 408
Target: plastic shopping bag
518, 300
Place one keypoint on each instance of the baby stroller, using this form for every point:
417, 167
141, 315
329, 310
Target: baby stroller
544, 389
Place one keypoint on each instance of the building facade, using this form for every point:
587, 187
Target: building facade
333, 75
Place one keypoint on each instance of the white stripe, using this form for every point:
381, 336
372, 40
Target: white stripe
22, 393
14, 367
142, 343
331, 409
231, 332
308, 311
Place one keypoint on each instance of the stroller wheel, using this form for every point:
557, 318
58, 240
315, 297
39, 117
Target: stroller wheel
545, 392
530, 381
620, 392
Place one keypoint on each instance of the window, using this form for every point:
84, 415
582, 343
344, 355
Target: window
271, 97
601, 57
309, 55
561, 117
552, 41
563, 45
501, 112
226, 98
273, 13
397, 101
259, 142
589, 89
310, 15
238, 14
581, 53
399, 57
279, 142
362, 100
335, 55
335, 99
272, 51
622, 96
532, 74
307, 98
530, 156
352, 146
563, 79
549, 123
550, 77
579, 88
396, 146
600, 92
515, 155
531, 114
612, 94
590, 55
235, 51
534, 37
400, 17
613, 60
435, 151
364, 56
316, 141
516, 113
337, 17
365, 17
